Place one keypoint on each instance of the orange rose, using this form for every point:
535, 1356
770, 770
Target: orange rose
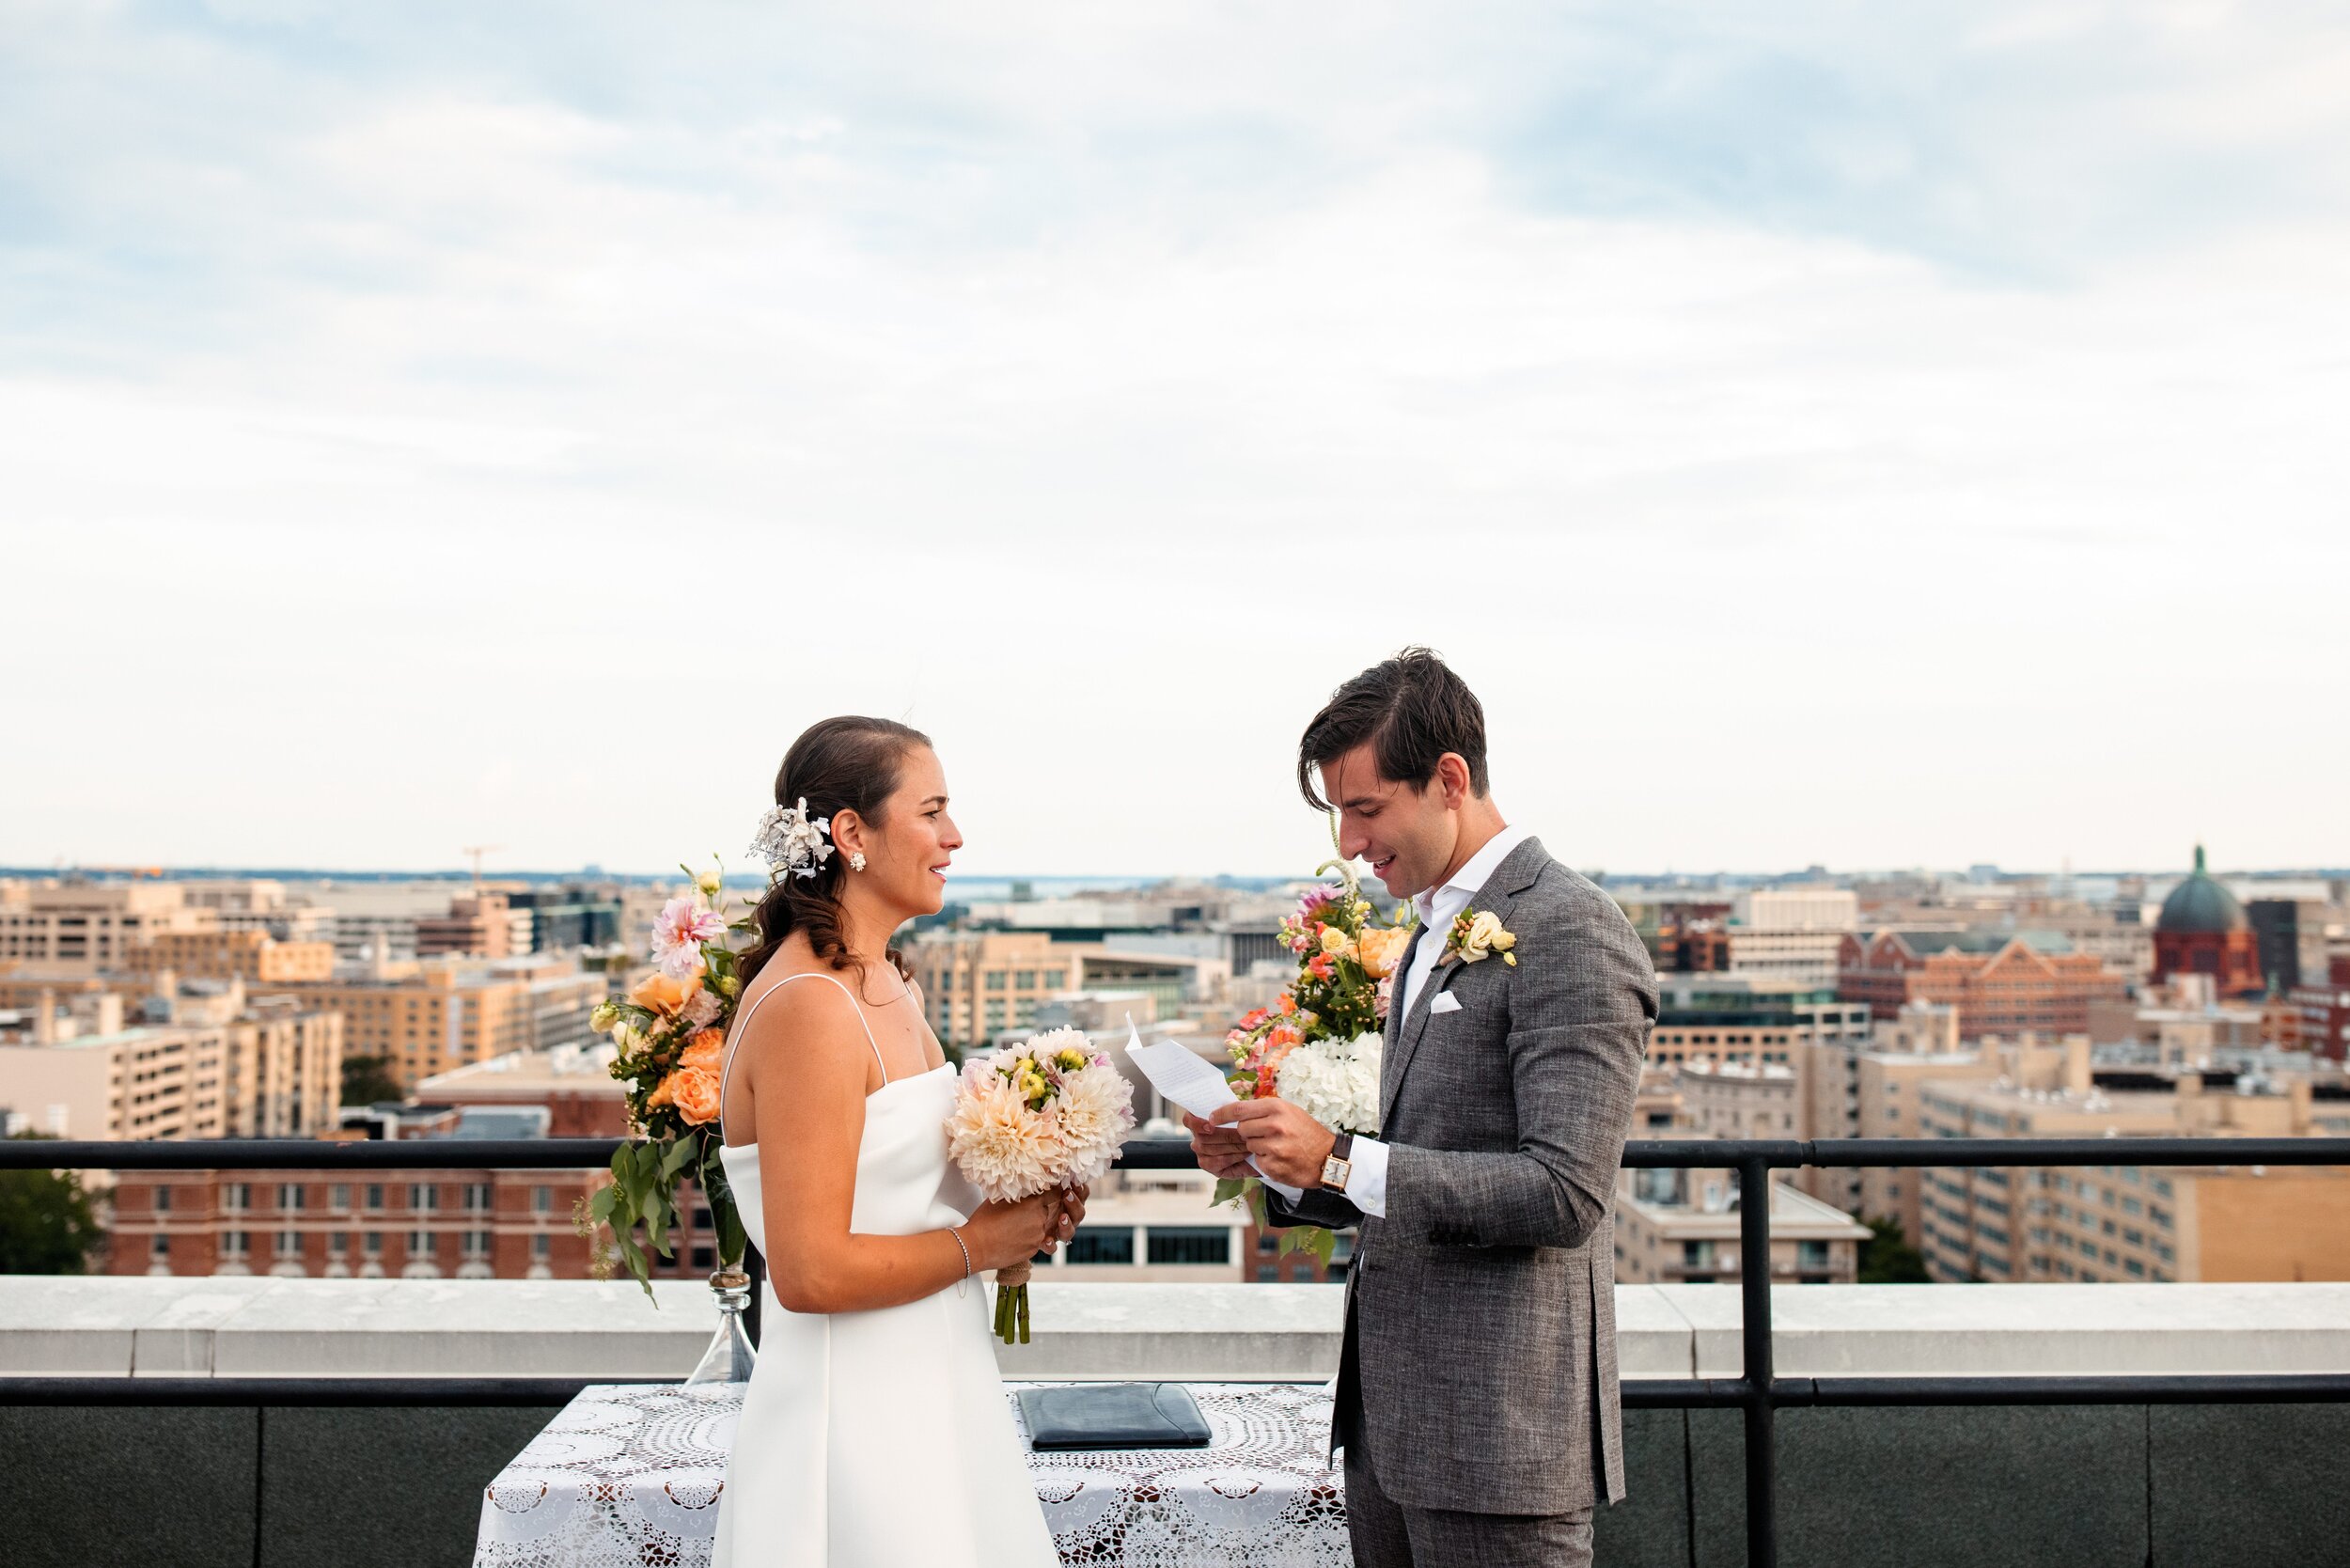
1380, 951
662, 994
706, 1050
694, 1092
660, 1095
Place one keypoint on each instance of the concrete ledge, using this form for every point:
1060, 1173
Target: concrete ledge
136, 1327
1962, 1330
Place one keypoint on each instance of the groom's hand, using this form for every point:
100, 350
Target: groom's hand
1287, 1144
1221, 1151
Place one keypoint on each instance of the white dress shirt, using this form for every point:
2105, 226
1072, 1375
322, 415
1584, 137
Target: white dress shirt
1367, 1178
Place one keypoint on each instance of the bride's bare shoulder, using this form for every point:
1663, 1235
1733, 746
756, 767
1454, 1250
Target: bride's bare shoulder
806, 1005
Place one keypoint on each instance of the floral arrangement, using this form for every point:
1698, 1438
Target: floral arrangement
1049, 1112
670, 1038
1321, 1045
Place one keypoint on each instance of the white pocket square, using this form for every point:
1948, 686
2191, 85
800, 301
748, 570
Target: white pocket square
1445, 1002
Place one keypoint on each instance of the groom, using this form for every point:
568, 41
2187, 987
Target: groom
1477, 1386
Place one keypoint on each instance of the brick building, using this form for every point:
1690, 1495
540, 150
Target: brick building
2204, 930
2321, 1011
343, 1224
2012, 988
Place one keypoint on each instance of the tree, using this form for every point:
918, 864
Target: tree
48, 1224
369, 1081
1886, 1259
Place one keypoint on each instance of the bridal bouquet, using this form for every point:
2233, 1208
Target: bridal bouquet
1320, 1047
1049, 1112
670, 1038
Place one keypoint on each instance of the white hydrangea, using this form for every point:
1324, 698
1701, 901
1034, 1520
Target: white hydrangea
1336, 1082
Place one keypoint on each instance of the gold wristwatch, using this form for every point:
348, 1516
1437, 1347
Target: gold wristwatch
1338, 1166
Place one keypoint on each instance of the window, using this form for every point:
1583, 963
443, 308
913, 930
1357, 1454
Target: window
1056, 980
1024, 980
420, 1244
339, 1196
375, 1195
1101, 1244
236, 1197
163, 1200
1268, 1274
995, 978
1697, 1254
542, 1246
423, 1197
373, 1244
542, 1200
1811, 1255
290, 1244
1190, 1244
338, 1242
705, 1257
289, 1196
233, 1244
161, 1249
477, 1244
1267, 1243
478, 1197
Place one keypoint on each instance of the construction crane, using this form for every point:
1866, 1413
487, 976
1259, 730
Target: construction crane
475, 852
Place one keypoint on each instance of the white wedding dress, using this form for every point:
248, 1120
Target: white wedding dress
879, 1439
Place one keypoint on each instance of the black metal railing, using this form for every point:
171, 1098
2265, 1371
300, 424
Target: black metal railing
1757, 1392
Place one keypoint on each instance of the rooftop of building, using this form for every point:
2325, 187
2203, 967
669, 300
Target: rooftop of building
2200, 904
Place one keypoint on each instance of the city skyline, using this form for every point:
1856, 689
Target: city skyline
962, 882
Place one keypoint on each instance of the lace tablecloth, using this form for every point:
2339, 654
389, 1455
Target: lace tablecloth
628, 1476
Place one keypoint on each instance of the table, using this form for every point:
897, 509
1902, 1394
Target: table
629, 1476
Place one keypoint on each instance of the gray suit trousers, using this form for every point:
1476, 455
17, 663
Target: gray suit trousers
1388, 1534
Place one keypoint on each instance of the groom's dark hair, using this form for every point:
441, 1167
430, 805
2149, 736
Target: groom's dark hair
1412, 709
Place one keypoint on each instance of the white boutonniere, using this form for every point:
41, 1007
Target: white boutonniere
1478, 934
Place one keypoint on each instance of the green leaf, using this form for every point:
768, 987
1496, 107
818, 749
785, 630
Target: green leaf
657, 1217
1230, 1188
674, 1161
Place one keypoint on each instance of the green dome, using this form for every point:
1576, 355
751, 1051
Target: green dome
2198, 904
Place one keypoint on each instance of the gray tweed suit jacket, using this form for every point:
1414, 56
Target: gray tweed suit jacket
1479, 1372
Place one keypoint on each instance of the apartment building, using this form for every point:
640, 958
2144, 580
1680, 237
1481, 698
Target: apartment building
432, 1018
976, 983
81, 927
251, 956
2126, 1221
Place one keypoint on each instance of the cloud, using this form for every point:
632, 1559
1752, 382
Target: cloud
407, 400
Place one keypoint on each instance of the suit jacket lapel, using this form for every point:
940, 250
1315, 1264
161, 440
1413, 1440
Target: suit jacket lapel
1516, 872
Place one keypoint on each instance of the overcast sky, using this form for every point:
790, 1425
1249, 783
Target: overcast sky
1876, 436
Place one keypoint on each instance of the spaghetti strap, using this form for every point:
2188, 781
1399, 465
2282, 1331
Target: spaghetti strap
743, 1023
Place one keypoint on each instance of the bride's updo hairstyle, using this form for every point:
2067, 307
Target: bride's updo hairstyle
841, 764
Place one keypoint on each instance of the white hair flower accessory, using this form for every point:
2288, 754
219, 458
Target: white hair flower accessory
789, 840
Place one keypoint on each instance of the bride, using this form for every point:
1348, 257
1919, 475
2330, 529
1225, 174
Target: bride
874, 1433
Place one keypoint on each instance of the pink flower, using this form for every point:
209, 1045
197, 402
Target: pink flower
679, 933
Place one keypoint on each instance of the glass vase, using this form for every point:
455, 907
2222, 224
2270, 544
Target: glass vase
730, 1358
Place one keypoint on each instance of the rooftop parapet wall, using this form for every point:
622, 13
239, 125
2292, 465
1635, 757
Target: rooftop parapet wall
257, 1326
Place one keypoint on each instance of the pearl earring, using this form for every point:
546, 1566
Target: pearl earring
856, 861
